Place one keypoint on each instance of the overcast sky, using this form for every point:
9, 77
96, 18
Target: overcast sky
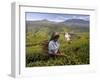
31, 16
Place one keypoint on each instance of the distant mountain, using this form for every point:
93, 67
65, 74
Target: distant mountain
77, 22
71, 24
40, 21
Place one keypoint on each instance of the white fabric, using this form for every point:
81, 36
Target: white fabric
53, 46
67, 37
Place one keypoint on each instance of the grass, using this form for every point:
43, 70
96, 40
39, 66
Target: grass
77, 51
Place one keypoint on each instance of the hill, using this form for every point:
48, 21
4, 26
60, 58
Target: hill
71, 24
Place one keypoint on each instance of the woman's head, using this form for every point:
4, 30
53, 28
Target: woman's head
55, 36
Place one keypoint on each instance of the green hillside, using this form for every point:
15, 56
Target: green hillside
76, 51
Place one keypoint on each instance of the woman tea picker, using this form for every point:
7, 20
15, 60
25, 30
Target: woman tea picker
53, 46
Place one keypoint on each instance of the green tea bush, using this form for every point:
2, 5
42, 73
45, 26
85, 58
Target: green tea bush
76, 51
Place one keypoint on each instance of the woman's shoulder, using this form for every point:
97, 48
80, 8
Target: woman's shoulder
51, 42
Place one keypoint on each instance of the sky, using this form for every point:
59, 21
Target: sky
56, 17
